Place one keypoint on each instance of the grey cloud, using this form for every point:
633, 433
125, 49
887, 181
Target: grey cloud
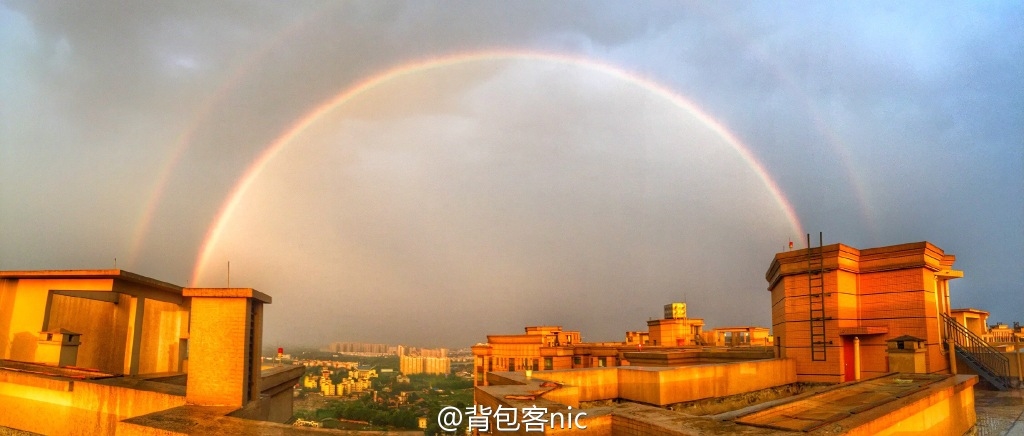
915, 107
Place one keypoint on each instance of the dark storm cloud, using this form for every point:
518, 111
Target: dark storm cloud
883, 122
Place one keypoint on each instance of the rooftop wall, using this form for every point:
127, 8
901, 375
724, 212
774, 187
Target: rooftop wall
944, 409
661, 386
103, 326
48, 405
882, 406
217, 359
23, 308
164, 324
101, 306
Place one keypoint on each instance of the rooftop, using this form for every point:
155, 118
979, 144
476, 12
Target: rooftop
91, 274
865, 406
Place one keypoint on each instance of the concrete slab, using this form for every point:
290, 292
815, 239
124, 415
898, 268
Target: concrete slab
838, 404
999, 412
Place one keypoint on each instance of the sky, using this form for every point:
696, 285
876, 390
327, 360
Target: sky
430, 172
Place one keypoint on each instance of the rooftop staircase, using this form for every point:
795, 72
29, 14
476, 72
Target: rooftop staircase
984, 359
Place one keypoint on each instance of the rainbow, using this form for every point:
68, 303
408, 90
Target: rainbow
227, 209
184, 141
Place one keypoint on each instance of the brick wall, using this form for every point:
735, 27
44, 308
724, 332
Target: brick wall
217, 360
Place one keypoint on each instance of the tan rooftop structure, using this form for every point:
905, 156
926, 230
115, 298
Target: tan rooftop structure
976, 320
675, 329
737, 336
545, 348
1006, 334
82, 351
835, 308
830, 303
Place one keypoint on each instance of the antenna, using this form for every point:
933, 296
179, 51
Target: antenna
229, 273
115, 263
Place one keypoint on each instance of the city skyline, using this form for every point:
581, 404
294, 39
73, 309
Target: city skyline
430, 173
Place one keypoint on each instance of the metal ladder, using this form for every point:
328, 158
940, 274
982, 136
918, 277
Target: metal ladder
816, 295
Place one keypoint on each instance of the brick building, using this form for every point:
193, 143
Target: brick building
834, 302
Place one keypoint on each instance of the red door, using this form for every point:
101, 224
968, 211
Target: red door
847, 359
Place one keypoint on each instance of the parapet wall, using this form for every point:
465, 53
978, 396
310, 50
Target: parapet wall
698, 382
593, 384
945, 408
53, 406
275, 403
662, 386
893, 404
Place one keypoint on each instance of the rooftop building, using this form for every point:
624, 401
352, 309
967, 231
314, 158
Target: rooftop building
543, 348
109, 351
877, 319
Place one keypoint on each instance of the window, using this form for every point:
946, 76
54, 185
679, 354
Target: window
576, 360
536, 366
601, 362
548, 364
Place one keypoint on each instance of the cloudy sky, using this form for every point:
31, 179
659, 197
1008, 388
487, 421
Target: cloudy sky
432, 172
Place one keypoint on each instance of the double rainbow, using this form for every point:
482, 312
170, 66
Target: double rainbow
268, 154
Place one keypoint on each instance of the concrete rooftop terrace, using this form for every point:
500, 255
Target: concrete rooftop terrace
199, 420
43, 397
835, 405
893, 403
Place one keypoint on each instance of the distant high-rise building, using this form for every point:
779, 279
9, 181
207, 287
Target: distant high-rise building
424, 365
360, 348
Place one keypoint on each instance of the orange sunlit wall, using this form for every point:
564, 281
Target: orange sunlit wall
870, 295
128, 324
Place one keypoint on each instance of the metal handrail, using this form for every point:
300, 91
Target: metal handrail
976, 349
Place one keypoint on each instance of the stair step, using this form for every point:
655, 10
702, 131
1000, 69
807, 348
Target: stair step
982, 369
